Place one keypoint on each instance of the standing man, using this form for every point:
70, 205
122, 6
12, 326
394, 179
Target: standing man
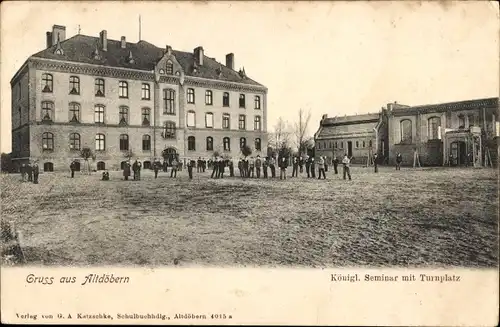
308, 167
175, 166
399, 159
326, 163
190, 165
295, 166
346, 161
251, 163
215, 168
258, 164
283, 164
313, 168
335, 165
231, 167
272, 164
134, 169
156, 167
375, 162
126, 171
222, 166
29, 169
301, 164
72, 168
36, 172
321, 168
139, 167
265, 164
246, 169
240, 167
23, 172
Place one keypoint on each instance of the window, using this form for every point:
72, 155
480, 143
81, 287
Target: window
461, 121
190, 95
145, 91
242, 122
99, 87
433, 128
19, 91
370, 143
208, 97
48, 166
335, 145
225, 99
47, 110
170, 67
99, 114
123, 142
256, 123
47, 141
209, 120
319, 146
364, 144
330, 144
74, 112
406, 132
123, 115
243, 142
191, 119
100, 142
47, 83
242, 101
162, 71
169, 101
74, 85
146, 116
191, 143
74, 141
257, 144
225, 121
169, 132
341, 144
210, 143
20, 113
227, 144
123, 89
471, 120
101, 165
257, 102
146, 143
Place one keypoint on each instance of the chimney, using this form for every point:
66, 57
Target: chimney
168, 50
104, 40
389, 106
198, 54
58, 32
230, 61
49, 39
123, 42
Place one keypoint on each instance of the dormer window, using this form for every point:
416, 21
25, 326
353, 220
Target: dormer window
130, 58
170, 68
74, 85
162, 71
177, 73
58, 52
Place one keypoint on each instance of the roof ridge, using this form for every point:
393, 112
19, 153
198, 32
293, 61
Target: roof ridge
454, 102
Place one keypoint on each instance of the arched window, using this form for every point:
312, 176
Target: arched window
258, 144
406, 131
225, 99
257, 102
256, 123
190, 96
227, 143
209, 120
123, 115
123, 89
461, 121
100, 144
47, 83
210, 143
74, 141
74, 85
99, 114
433, 124
191, 143
169, 67
47, 141
146, 164
74, 112
242, 122
191, 118
145, 91
242, 101
243, 142
101, 165
208, 98
146, 143
123, 142
169, 101
47, 111
48, 167
99, 87
169, 130
146, 116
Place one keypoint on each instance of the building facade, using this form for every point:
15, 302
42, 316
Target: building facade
456, 133
131, 101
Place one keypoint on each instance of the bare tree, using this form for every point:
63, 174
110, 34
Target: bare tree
86, 154
300, 131
281, 135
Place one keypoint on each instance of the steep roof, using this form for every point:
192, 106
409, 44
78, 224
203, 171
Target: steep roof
80, 49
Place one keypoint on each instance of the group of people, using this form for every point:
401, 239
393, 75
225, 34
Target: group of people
30, 170
135, 167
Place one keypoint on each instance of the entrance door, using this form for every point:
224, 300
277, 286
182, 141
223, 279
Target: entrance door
458, 150
77, 165
349, 148
169, 154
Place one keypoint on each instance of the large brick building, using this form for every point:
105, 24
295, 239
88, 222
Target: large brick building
436, 132
117, 98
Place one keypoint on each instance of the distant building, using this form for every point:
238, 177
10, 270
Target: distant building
118, 97
434, 131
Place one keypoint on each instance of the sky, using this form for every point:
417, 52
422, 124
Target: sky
335, 58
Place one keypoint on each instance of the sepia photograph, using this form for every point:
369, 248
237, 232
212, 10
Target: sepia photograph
264, 135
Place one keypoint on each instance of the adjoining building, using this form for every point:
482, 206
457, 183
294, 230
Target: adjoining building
120, 98
440, 134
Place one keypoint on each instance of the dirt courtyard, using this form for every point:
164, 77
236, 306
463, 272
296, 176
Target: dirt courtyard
440, 217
